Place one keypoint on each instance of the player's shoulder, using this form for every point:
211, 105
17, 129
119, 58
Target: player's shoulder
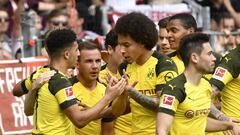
178, 82
57, 82
164, 63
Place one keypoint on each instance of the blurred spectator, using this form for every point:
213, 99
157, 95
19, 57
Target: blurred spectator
98, 14
5, 47
232, 11
226, 42
57, 18
227, 22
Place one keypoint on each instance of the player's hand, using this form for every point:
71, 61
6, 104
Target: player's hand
109, 77
114, 90
236, 129
129, 86
234, 120
42, 79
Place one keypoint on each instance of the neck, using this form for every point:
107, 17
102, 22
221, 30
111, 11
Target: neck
60, 65
113, 68
192, 75
146, 54
90, 85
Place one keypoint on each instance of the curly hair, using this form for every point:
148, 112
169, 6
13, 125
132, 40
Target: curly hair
139, 27
58, 40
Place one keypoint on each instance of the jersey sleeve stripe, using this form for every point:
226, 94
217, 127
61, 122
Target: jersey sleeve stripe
24, 88
217, 83
68, 103
167, 111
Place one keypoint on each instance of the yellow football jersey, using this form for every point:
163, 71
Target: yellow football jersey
177, 60
151, 76
52, 98
189, 104
27, 83
90, 98
123, 124
227, 79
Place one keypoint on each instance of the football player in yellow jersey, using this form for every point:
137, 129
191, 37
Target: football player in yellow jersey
164, 46
122, 125
227, 80
85, 85
185, 101
179, 26
137, 35
56, 107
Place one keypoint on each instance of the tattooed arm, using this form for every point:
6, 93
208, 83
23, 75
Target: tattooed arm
147, 102
213, 110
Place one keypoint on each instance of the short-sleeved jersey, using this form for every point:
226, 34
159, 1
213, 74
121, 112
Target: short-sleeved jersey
226, 77
151, 76
52, 98
179, 63
90, 98
123, 124
189, 104
27, 83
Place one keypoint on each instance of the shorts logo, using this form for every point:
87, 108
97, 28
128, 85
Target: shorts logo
219, 73
69, 93
168, 101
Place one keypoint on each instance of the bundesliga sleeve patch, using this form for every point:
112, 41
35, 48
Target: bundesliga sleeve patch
69, 93
219, 73
167, 101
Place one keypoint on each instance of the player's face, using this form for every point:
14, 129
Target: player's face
89, 64
74, 53
176, 32
130, 49
206, 61
164, 45
117, 56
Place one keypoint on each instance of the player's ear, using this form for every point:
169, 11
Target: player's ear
194, 57
66, 54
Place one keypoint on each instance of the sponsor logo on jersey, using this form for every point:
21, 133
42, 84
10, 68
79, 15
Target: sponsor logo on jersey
197, 113
69, 93
220, 73
167, 101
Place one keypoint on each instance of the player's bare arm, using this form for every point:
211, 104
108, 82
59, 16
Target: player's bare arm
216, 125
81, 118
164, 122
17, 89
147, 102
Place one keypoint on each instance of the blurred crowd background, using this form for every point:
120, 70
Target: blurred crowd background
23, 23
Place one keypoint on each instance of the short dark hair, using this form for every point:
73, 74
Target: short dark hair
139, 27
192, 43
58, 40
87, 45
187, 20
111, 39
163, 22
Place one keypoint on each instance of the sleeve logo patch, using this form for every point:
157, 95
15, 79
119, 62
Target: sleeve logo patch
168, 101
69, 93
220, 73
